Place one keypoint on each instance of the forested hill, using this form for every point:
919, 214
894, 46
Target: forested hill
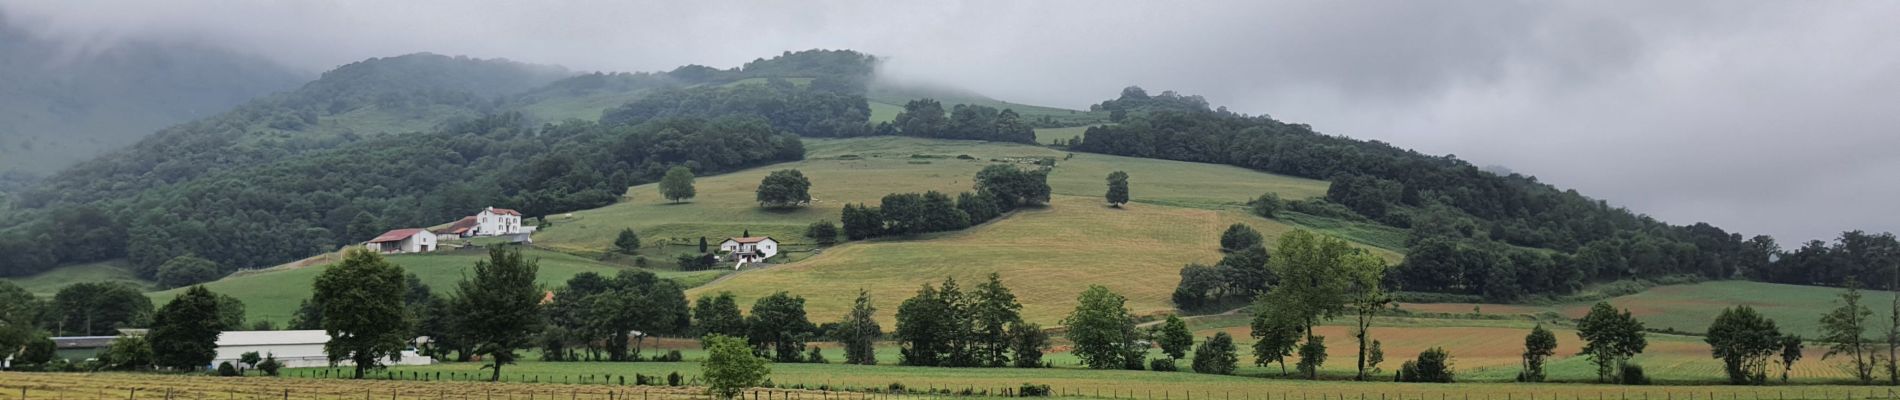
1501, 237
298, 173
61, 103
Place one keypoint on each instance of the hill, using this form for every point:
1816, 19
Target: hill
60, 105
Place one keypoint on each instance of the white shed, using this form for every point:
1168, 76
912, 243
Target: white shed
295, 349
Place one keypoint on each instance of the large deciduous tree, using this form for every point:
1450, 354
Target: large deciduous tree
784, 188
730, 366
184, 333
1610, 338
500, 307
718, 315
99, 308
362, 307
1745, 341
677, 184
1173, 337
1101, 328
778, 327
1216, 355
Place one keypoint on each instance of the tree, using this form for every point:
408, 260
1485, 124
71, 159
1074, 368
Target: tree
730, 367
860, 331
1026, 343
1276, 331
1365, 273
1312, 356
702, 245
677, 185
1267, 205
184, 334
127, 353
1117, 189
230, 312
500, 307
270, 365
19, 313
1012, 186
187, 270
1843, 330
824, 232
922, 118
1790, 353
718, 315
927, 327
628, 242
1216, 355
784, 188
250, 359
992, 310
862, 222
1174, 337
778, 327
99, 308
1239, 236
1101, 328
361, 299
1610, 338
1744, 341
1539, 345
1432, 365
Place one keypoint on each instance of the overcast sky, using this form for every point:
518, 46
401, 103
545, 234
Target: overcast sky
1761, 117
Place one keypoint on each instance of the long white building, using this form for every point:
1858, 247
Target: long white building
295, 349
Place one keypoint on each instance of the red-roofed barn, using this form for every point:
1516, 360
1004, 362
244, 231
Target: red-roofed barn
411, 240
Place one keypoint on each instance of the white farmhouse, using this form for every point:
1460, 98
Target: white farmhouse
497, 221
296, 349
412, 240
750, 249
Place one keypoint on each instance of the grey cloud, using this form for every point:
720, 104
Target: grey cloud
1759, 116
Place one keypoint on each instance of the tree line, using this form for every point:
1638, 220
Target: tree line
926, 118
1000, 188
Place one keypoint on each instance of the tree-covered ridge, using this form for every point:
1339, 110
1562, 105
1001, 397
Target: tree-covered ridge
312, 203
808, 110
65, 106
421, 87
1473, 232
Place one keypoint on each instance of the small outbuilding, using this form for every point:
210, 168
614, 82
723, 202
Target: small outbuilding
411, 240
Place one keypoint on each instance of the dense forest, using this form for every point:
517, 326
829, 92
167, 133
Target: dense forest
1502, 237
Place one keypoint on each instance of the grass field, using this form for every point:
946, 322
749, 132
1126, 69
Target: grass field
49, 282
1691, 307
845, 171
274, 294
1051, 135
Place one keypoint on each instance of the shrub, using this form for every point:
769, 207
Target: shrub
824, 232
1162, 365
1632, 374
673, 379
1312, 356
1433, 365
816, 357
226, 369
270, 365
1216, 355
670, 356
1032, 390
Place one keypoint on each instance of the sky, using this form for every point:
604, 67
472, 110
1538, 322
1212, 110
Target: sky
1762, 117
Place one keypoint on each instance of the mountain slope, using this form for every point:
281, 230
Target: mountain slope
60, 104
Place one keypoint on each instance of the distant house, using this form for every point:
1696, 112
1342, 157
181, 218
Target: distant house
81, 348
497, 221
749, 249
461, 229
411, 240
296, 349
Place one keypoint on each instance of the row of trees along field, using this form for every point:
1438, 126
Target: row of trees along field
926, 118
1471, 232
1000, 188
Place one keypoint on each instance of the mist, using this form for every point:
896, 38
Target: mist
1761, 117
